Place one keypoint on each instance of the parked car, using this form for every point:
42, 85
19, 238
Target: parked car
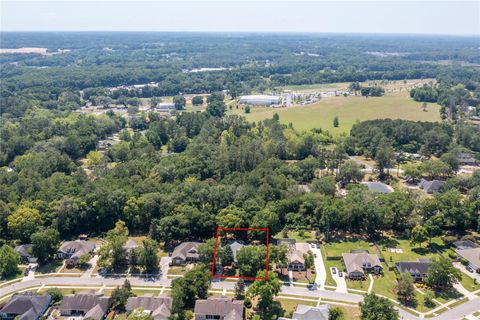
334, 270
340, 273
469, 269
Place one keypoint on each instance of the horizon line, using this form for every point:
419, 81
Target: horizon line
251, 32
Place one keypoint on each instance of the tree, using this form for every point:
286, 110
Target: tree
251, 259
9, 261
350, 171
95, 158
375, 307
418, 235
442, 274
240, 289
384, 159
194, 285
335, 122
179, 102
121, 294
45, 244
405, 288
265, 289
325, 185
335, 313
216, 108
24, 222
84, 260
412, 171
197, 100
112, 254
227, 256
139, 314
247, 109
56, 295
148, 257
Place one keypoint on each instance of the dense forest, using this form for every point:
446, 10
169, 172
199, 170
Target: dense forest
179, 178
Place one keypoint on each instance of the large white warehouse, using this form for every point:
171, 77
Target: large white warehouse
260, 100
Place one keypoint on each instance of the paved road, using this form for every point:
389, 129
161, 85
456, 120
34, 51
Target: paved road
459, 312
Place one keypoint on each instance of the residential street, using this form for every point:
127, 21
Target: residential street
456, 313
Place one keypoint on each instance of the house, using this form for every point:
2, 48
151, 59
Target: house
219, 308
185, 252
304, 312
296, 261
465, 244
431, 186
85, 305
25, 253
358, 263
472, 255
26, 306
72, 250
260, 100
378, 187
466, 159
235, 246
130, 245
157, 307
417, 269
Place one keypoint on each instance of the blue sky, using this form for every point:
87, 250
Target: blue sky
419, 17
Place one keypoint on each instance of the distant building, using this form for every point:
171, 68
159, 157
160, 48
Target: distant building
417, 269
359, 263
466, 159
72, 250
164, 106
378, 187
25, 253
431, 186
304, 312
85, 305
260, 100
25, 306
157, 307
219, 308
185, 252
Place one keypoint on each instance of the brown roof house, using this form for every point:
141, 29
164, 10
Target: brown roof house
25, 252
26, 306
72, 250
219, 308
185, 252
157, 307
296, 261
359, 263
85, 305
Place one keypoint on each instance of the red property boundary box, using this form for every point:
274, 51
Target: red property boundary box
239, 277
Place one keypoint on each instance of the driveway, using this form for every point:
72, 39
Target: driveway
462, 268
321, 273
164, 266
93, 263
341, 282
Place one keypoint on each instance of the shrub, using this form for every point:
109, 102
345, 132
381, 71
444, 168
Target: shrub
449, 240
56, 295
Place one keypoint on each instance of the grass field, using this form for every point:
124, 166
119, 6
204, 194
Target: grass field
410, 253
395, 104
336, 249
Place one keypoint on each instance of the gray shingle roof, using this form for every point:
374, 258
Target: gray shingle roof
220, 306
186, 250
85, 302
77, 248
413, 267
27, 305
157, 305
354, 262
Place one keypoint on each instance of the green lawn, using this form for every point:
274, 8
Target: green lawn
177, 270
394, 105
409, 253
386, 283
468, 283
50, 267
359, 284
337, 248
329, 264
298, 236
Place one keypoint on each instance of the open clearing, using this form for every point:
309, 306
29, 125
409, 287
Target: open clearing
395, 104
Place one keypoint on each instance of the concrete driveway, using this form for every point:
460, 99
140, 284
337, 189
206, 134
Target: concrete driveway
320, 272
341, 282
462, 268
164, 266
